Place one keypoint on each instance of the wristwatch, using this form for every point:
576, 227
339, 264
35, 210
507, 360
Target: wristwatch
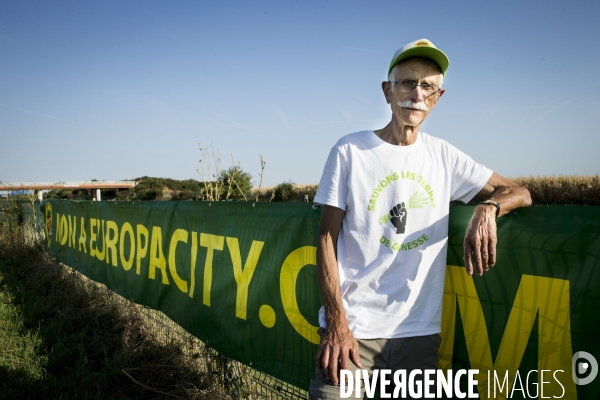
494, 203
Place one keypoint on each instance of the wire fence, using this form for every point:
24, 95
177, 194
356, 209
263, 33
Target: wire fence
238, 380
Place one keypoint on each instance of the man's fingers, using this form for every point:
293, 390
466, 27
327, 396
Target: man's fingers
492, 251
477, 258
333, 367
318, 358
480, 244
343, 362
355, 357
334, 354
484, 253
324, 361
493, 240
343, 359
467, 258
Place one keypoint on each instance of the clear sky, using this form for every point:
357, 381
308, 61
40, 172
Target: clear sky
120, 89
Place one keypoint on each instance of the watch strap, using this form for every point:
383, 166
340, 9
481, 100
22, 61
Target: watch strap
493, 203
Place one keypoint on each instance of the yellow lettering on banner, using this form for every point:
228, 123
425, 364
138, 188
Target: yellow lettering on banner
72, 230
193, 254
180, 235
111, 242
101, 254
547, 297
141, 250
56, 227
290, 269
212, 243
127, 263
92, 237
82, 236
58, 230
243, 276
157, 257
64, 230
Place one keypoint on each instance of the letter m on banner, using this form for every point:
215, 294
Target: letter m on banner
537, 297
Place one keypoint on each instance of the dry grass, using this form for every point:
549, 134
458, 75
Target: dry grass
569, 189
297, 195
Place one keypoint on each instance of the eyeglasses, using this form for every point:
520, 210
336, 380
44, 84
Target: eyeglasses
407, 86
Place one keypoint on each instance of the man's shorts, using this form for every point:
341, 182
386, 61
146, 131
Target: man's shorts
419, 352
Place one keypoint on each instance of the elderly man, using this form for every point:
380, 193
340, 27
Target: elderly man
381, 252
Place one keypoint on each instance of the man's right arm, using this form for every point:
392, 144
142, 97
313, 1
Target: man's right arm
337, 343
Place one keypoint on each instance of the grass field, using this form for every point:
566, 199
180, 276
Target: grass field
63, 336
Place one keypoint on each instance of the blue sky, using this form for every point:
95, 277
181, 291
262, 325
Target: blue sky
120, 89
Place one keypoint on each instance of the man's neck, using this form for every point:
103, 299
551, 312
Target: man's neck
398, 135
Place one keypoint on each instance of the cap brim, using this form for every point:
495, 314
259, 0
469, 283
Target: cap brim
434, 54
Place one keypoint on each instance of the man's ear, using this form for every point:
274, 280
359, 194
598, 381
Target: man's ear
386, 86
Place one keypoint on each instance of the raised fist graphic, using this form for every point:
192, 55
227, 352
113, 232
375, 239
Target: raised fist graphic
398, 217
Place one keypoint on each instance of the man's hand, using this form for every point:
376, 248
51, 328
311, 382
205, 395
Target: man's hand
480, 240
337, 343
337, 346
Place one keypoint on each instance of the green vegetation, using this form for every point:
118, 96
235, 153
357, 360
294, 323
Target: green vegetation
573, 189
19, 345
234, 183
63, 336
284, 191
12, 208
237, 184
157, 189
65, 194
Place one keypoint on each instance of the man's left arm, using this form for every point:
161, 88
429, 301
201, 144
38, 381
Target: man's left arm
480, 238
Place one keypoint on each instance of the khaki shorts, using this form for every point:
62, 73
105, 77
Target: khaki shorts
419, 352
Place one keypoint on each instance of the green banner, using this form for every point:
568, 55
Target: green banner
534, 310
241, 277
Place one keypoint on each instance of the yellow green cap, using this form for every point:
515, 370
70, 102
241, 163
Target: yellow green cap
421, 48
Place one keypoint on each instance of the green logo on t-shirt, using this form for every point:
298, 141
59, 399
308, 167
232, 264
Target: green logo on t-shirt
398, 214
384, 183
422, 197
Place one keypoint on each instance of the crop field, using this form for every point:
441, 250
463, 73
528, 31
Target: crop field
563, 190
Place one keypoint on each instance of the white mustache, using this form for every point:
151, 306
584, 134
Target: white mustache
412, 105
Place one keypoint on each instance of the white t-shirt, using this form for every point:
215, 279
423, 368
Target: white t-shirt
391, 249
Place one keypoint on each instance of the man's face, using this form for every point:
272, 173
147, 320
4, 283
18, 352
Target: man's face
404, 104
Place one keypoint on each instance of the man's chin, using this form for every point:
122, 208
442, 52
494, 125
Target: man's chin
412, 117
